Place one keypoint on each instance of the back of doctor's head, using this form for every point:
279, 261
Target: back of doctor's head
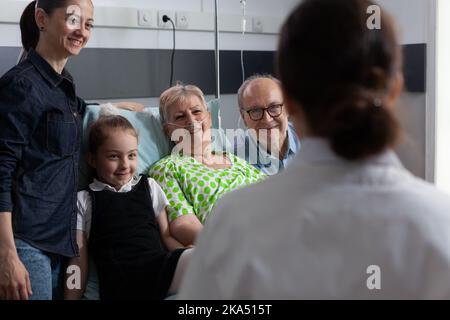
339, 71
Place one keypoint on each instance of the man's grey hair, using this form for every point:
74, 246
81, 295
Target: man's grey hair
246, 83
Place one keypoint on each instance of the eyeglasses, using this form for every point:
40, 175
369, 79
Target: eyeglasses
274, 111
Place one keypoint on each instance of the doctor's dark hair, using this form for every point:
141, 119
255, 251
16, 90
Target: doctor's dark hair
339, 71
103, 126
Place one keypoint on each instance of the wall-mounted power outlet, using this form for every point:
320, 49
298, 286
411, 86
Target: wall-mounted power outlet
145, 17
182, 20
258, 25
161, 23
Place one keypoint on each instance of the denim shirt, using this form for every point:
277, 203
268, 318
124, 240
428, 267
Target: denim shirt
40, 130
250, 150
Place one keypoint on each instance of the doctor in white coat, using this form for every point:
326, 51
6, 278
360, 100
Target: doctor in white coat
345, 220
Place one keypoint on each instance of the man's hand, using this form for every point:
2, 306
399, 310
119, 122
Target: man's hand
128, 105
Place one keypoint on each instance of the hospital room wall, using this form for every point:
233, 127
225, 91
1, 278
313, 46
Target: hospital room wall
411, 15
128, 38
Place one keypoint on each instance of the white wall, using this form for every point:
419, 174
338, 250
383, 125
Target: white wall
440, 94
411, 15
161, 39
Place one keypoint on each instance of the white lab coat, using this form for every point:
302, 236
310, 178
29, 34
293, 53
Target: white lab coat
315, 231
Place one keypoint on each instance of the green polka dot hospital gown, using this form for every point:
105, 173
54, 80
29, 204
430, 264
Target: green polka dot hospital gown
192, 187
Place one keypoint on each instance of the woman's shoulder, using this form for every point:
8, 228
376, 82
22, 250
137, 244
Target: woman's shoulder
22, 71
165, 161
172, 159
21, 80
19, 76
168, 163
243, 164
234, 158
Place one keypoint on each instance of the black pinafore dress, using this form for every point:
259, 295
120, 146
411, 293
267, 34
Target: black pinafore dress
132, 262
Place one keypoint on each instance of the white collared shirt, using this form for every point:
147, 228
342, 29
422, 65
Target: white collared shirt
84, 202
326, 228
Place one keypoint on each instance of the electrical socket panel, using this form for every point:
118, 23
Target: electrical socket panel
258, 25
182, 20
188, 21
145, 18
161, 23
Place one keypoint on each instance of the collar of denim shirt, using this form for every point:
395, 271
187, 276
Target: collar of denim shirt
293, 145
46, 70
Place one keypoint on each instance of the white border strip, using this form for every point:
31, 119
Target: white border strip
430, 105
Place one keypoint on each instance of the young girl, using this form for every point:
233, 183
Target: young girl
123, 218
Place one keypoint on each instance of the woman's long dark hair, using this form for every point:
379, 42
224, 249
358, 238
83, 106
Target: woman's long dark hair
339, 70
28, 27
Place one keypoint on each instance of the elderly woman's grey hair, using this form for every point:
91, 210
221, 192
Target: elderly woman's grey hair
249, 80
178, 94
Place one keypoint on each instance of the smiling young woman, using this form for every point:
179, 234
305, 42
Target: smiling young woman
40, 117
57, 29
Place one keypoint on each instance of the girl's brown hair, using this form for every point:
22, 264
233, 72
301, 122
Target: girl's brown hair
100, 129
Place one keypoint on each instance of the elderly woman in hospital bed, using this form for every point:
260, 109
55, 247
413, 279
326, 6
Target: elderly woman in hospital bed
194, 175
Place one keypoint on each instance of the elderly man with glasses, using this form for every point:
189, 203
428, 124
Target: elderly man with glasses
270, 141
